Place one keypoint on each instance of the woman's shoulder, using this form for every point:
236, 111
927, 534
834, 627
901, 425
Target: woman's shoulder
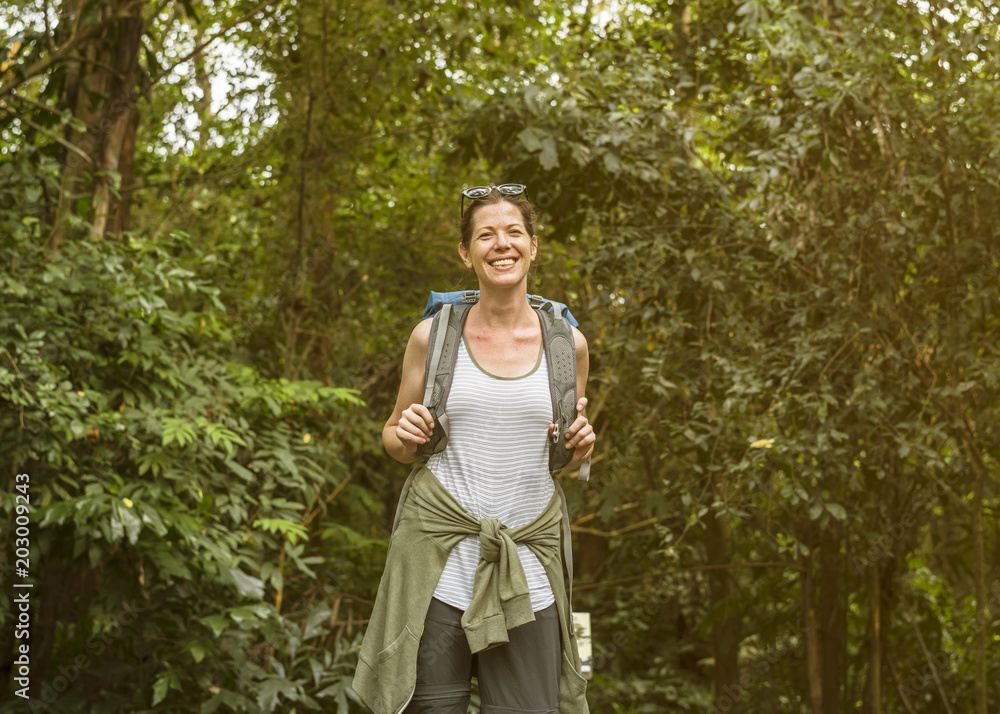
420, 335
579, 340
423, 328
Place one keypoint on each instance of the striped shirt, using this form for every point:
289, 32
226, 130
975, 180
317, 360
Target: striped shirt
496, 464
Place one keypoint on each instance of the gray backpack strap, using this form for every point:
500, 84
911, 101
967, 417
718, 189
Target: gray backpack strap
434, 350
557, 334
567, 547
442, 351
402, 498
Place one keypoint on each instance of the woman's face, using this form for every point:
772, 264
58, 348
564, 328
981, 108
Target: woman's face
500, 250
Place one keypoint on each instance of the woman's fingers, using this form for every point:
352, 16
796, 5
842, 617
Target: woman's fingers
425, 414
580, 433
416, 424
409, 441
573, 434
577, 424
409, 431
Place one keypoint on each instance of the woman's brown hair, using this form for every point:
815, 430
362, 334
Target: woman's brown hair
521, 202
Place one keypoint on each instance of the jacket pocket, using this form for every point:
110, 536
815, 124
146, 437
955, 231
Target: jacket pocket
397, 674
572, 689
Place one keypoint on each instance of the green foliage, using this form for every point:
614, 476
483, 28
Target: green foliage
179, 488
770, 217
777, 224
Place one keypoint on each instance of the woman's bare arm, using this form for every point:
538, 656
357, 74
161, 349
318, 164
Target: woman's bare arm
411, 422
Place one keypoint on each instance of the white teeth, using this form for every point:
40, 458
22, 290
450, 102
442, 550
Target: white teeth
504, 261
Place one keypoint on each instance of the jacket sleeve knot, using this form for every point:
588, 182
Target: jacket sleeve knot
490, 538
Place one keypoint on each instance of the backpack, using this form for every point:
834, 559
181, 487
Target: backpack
450, 311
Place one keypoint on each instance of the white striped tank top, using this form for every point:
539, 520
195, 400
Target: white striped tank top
496, 464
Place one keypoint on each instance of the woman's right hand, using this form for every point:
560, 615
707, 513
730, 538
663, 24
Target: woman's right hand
415, 427
410, 424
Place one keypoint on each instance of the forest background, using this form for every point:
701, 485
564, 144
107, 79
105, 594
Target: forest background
776, 222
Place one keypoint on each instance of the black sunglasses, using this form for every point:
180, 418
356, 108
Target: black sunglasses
507, 189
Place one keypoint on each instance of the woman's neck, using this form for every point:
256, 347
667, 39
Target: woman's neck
504, 310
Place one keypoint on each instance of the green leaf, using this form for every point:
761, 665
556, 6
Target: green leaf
177, 429
216, 623
198, 651
292, 531
252, 615
549, 158
241, 471
247, 586
612, 163
270, 690
160, 688
837, 511
531, 138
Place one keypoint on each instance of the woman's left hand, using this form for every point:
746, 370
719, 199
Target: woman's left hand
580, 436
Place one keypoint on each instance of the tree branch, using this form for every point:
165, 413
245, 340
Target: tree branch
201, 48
930, 662
58, 139
65, 53
36, 104
691, 569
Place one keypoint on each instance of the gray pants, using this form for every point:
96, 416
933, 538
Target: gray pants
520, 677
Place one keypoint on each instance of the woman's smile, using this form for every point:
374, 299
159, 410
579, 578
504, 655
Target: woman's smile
503, 263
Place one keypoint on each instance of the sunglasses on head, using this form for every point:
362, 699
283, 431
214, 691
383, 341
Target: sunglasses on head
507, 189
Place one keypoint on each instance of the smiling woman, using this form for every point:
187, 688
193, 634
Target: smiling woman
486, 498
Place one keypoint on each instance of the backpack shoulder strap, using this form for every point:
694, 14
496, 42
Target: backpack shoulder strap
560, 349
402, 499
442, 351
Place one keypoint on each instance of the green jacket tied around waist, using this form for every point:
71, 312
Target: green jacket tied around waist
432, 523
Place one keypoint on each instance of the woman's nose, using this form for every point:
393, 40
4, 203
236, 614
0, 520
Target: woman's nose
502, 238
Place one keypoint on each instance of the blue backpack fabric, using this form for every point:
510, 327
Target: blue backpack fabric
470, 297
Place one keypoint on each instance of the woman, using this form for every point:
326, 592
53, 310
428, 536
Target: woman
484, 502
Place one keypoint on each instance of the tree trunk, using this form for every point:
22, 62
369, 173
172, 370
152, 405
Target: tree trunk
874, 641
722, 592
295, 307
110, 75
886, 611
813, 671
121, 216
593, 550
979, 576
204, 105
115, 119
967, 438
79, 83
832, 619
